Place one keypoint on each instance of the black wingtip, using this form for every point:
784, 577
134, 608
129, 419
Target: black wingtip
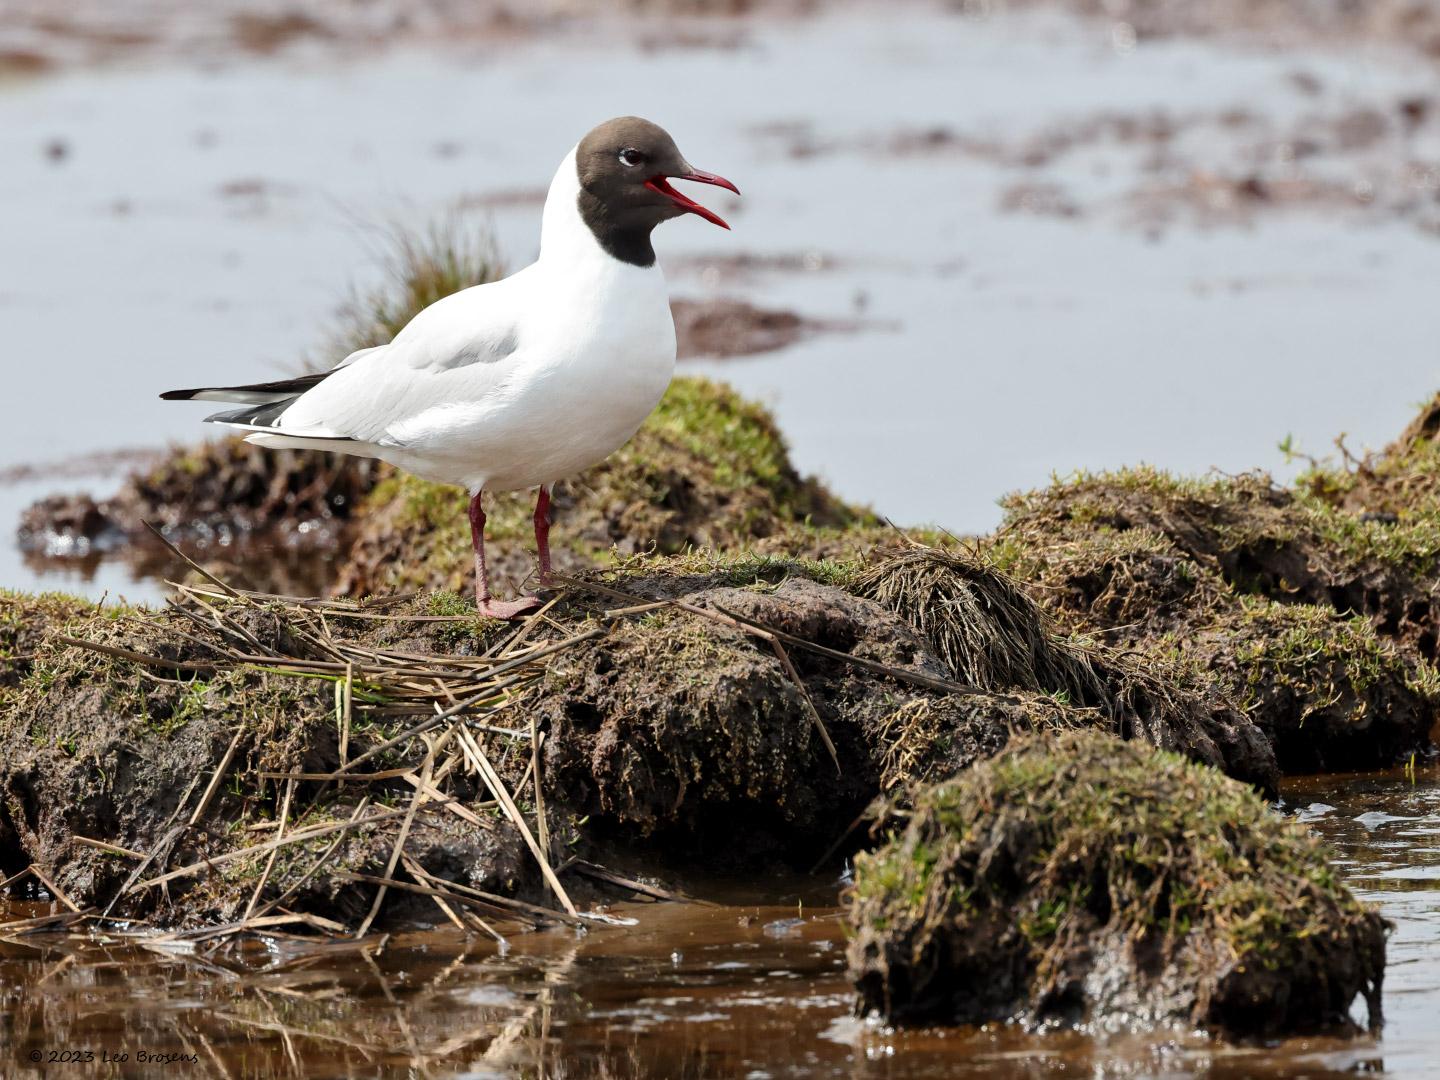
178, 395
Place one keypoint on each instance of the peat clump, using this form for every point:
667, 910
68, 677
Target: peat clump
691, 713
725, 327
209, 498
1316, 621
991, 634
1079, 879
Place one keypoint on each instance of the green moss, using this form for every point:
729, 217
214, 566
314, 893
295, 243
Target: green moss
1323, 657
1019, 863
737, 439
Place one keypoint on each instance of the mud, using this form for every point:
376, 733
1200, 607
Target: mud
90, 33
1319, 621
725, 327
665, 735
1396, 23
213, 495
1227, 168
1030, 889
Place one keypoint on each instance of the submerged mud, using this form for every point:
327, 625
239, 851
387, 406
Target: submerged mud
726, 327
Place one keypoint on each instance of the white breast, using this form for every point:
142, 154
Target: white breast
593, 352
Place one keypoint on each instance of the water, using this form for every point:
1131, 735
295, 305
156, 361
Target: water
754, 986
203, 223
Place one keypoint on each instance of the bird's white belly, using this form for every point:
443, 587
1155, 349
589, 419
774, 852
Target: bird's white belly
558, 420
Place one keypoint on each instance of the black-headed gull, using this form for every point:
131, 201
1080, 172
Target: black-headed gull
520, 382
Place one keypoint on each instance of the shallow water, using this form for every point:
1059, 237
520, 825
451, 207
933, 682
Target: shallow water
202, 223
686, 991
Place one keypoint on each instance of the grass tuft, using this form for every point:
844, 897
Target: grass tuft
1076, 875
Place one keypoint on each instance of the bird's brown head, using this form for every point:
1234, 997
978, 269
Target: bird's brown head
625, 167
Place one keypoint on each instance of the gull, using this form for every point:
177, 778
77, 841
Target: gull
522, 382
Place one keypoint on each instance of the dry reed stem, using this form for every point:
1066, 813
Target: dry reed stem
426, 768
217, 776
497, 788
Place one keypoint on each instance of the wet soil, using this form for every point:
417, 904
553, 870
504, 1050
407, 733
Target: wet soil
1214, 168
664, 730
37, 39
685, 991
1083, 882
1274, 23
1320, 620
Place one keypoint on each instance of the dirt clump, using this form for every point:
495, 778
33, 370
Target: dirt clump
1273, 22
1319, 623
677, 732
213, 495
101, 747
1080, 880
993, 635
1398, 485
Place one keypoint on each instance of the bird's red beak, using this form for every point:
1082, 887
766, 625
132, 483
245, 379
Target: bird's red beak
690, 206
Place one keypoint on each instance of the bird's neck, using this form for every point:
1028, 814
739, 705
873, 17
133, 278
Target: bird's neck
572, 232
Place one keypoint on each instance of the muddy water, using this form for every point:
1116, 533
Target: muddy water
752, 987
1044, 291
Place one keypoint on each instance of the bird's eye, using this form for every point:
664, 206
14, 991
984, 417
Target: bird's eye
630, 157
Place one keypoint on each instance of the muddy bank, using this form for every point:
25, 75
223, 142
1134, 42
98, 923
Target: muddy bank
213, 495
1319, 621
1085, 881
656, 731
1232, 167
1277, 23
1302, 613
727, 327
37, 39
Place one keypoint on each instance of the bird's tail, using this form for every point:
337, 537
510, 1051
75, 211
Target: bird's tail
265, 393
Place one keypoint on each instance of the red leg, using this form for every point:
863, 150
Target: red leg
495, 609
542, 533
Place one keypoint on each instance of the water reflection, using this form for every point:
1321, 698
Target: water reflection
688, 991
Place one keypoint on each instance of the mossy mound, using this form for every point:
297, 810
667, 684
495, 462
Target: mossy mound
100, 747
1080, 879
708, 469
1317, 622
1260, 539
992, 635
1331, 694
215, 500
1400, 484
25, 619
678, 731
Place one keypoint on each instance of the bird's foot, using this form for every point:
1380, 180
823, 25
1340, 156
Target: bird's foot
507, 609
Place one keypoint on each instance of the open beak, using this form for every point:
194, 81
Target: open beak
690, 206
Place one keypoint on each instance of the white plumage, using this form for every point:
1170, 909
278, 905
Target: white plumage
521, 382
512, 384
